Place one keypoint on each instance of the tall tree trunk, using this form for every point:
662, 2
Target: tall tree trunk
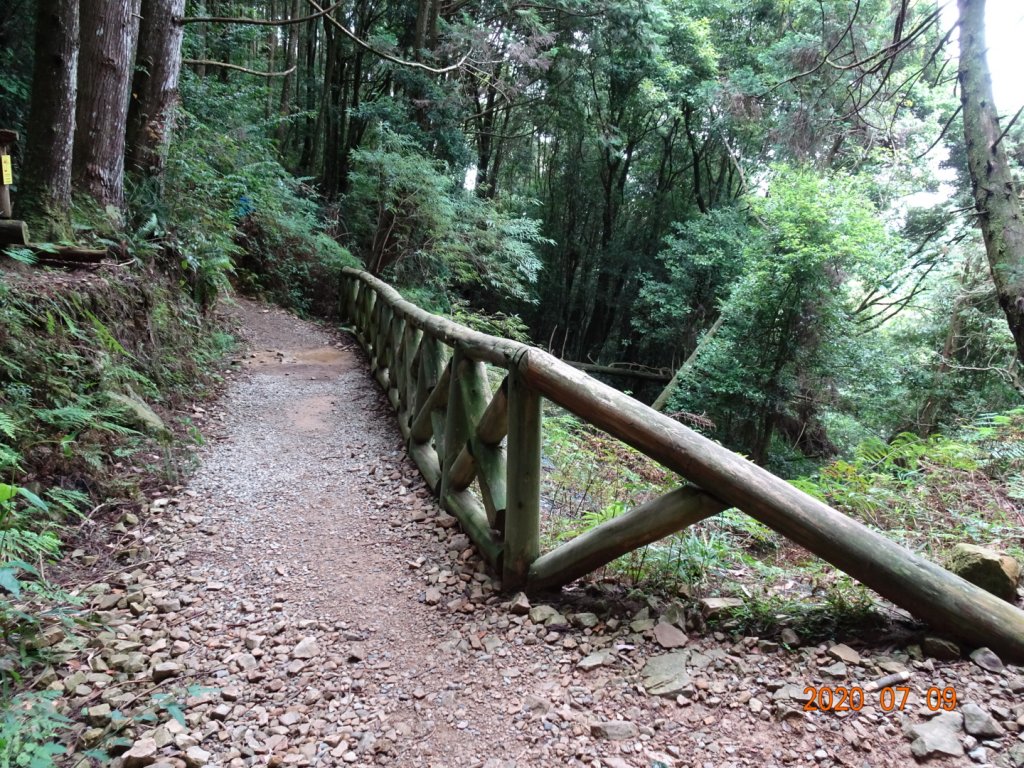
109, 32
155, 86
287, 85
311, 126
995, 193
46, 192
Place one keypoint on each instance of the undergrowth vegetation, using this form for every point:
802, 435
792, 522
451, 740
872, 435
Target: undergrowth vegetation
928, 493
233, 213
85, 365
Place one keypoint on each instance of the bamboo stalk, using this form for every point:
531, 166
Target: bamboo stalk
642, 525
522, 514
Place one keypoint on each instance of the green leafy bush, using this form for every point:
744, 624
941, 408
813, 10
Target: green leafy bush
408, 217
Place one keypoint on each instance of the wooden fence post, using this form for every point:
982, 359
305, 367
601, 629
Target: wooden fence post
467, 400
522, 514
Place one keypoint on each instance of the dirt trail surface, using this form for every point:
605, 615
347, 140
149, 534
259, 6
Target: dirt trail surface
309, 605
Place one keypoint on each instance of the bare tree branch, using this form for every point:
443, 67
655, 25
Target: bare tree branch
381, 54
226, 65
1006, 130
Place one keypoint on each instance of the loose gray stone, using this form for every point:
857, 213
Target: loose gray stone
940, 648
938, 736
540, 614
987, 660
714, 606
164, 670
585, 620
142, 753
307, 648
520, 605
596, 659
789, 637
247, 661
835, 670
614, 730
196, 757
845, 654
990, 570
666, 675
978, 722
668, 636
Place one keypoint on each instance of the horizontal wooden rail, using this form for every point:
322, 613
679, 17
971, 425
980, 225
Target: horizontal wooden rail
456, 424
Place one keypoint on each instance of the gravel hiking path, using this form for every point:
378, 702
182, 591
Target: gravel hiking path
333, 615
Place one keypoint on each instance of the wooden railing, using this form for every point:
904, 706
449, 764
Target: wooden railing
458, 430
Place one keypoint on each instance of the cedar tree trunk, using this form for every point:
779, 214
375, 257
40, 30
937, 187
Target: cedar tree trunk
995, 194
46, 192
155, 86
109, 32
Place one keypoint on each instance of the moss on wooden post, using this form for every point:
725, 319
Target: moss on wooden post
522, 514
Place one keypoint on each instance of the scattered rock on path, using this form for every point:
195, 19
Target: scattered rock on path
667, 675
845, 654
306, 648
714, 606
940, 648
938, 736
596, 659
520, 605
669, 636
987, 660
980, 723
614, 730
142, 754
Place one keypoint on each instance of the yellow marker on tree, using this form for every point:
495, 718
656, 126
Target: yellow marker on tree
5, 167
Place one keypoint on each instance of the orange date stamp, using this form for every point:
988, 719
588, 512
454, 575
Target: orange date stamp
891, 698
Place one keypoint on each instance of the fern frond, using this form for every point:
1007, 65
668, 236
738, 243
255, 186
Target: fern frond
6, 425
106, 338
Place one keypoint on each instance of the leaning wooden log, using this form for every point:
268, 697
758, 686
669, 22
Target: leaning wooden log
72, 253
484, 458
13, 232
430, 467
926, 590
642, 525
